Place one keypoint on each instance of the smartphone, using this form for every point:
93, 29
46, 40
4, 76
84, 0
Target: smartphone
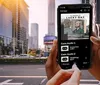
74, 24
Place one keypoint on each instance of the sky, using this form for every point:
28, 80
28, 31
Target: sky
38, 13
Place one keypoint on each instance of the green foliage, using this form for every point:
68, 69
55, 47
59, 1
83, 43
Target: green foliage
38, 52
22, 61
1, 41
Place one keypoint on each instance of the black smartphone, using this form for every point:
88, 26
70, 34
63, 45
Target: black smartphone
74, 30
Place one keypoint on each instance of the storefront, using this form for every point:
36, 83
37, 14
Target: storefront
48, 42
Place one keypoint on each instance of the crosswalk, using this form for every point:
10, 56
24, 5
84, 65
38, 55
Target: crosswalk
82, 82
89, 82
24, 79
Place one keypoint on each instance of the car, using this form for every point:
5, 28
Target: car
2, 56
6, 56
24, 56
44, 57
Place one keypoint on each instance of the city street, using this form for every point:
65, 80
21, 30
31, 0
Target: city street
28, 29
33, 75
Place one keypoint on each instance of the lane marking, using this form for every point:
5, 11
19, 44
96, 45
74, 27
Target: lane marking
43, 81
6, 82
23, 76
82, 80
88, 84
90, 80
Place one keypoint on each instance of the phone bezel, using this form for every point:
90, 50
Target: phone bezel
71, 7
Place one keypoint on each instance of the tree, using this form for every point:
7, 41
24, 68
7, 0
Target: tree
1, 41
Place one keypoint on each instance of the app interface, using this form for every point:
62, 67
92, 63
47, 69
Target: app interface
75, 40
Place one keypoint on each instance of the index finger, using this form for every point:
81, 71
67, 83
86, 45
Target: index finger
53, 54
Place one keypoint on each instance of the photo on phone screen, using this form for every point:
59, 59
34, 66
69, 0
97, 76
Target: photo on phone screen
74, 30
75, 26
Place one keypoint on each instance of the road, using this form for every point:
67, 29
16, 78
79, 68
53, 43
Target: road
33, 75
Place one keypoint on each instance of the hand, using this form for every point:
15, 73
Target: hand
52, 66
95, 68
66, 77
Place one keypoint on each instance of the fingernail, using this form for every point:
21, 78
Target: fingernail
95, 40
74, 66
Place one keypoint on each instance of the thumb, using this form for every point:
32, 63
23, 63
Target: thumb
75, 78
60, 77
95, 40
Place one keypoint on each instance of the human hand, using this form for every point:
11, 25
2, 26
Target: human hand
95, 68
52, 67
66, 77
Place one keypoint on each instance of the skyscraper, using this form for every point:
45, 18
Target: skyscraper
12, 8
5, 28
20, 19
51, 17
22, 22
5, 22
33, 38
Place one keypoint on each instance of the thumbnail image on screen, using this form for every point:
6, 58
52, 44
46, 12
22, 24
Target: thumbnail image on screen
74, 26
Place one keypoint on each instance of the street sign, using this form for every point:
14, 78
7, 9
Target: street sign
6, 82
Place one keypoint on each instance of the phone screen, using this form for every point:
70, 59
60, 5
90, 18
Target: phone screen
74, 30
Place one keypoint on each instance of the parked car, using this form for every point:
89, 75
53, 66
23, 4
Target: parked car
6, 56
24, 56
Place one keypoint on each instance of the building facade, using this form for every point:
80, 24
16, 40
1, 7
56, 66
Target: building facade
48, 42
20, 21
12, 7
33, 38
5, 29
51, 17
23, 23
5, 22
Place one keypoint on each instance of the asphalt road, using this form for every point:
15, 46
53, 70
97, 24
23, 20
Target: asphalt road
33, 75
